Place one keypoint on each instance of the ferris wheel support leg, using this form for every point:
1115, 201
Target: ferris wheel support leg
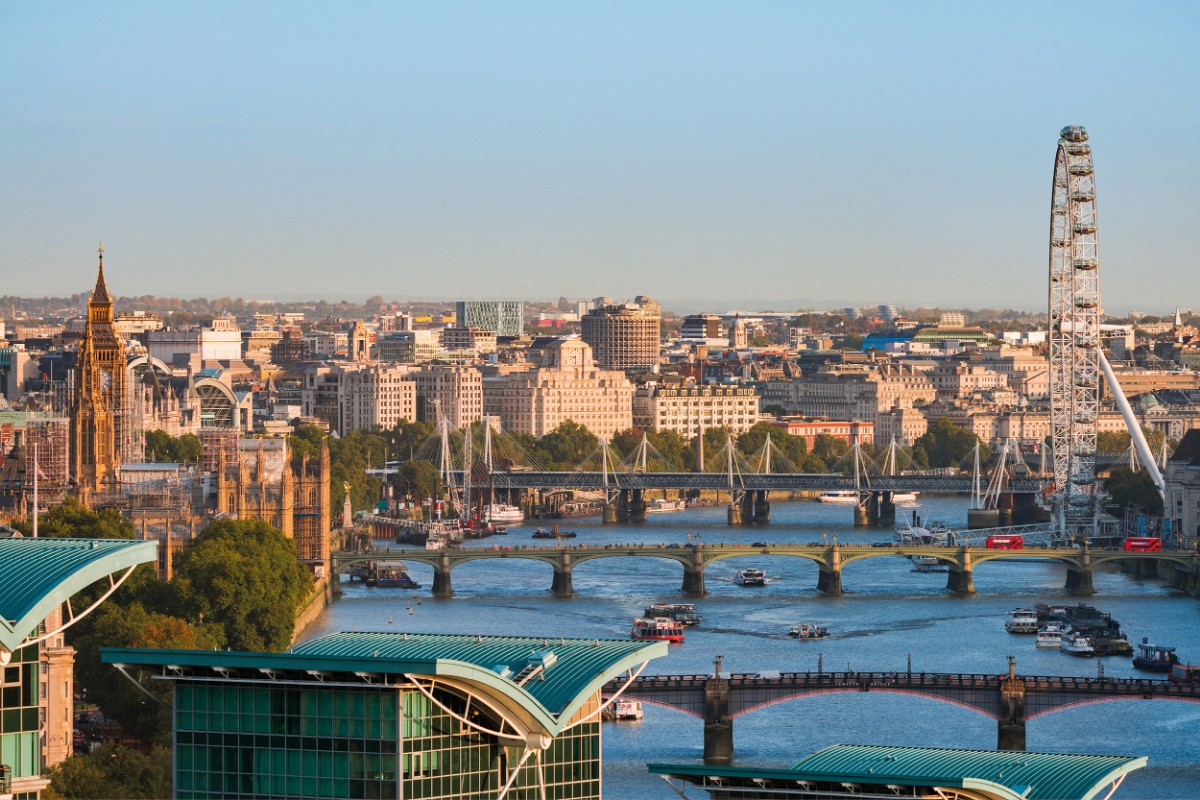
1135, 430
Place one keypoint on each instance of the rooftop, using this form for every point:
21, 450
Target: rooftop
574, 668
993, 774
38, 575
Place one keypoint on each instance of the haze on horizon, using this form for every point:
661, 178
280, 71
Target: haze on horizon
768, 154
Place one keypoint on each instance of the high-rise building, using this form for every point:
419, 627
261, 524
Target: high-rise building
701, 326
451, 391
503, 317
625, 336
98, 428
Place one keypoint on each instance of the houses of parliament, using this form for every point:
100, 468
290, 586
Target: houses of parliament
95, 454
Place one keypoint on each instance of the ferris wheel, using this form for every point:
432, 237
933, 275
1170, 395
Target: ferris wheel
1074, 316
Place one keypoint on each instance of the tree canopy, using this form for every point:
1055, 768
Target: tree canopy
243, 576
1134, 490
163, 447
112, 771
74, 521
945, 444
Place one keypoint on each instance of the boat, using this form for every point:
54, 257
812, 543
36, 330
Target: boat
1076, 644
580, 508
845, 496
659, 628
935, 533
1021, 620
808, 631
751, 577
553, 533
1184, 673
500, 530
1050, 634
627, 709
904, 497
393, 575
661, 505
927, 564
502, 512
684, 613
1154, 658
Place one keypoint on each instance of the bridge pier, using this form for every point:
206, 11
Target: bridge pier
1010, 727
959, 578
610, 512
1024, 508
718, 725
1079, 575
829, 579
762, 507
562, 586
441, 579
733, 514
693, 574
623, 506
887, 509
637, 506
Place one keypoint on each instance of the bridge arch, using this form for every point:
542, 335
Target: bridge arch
854, 690
1093, 700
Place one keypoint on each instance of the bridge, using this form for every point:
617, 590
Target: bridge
1008, 698
831, 558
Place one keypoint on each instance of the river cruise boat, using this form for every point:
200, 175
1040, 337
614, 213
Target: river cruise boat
750, 577
806, 630
1076, 644
1050, 634
623, 710
1154, 658
684, 613
1021, 620
935, 533
392, 575
845, 496
906, 498
658, 628
553, 533
502, 513
1184, 673
661, 505
927, 564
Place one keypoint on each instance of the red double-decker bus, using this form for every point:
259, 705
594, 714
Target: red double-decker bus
1012, 542
1143, 544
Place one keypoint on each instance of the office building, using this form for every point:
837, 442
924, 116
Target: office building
392, 715
690, 408
625, 336
504, 317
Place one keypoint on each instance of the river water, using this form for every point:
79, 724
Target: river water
887, 614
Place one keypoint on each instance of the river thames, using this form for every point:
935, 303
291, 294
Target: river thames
887, 614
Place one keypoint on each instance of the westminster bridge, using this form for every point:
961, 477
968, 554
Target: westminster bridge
830, 558
1008, 698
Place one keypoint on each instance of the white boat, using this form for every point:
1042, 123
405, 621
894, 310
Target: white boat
927, 564
1077, 644
936, 534
904, 497
1021, 620
660, 505
751, 577
1051, 634
807, 630
623, 710
846, 496
503, 513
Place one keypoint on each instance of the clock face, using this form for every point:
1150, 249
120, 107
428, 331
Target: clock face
105, 379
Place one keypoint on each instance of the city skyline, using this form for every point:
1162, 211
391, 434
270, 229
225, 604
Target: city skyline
773, 156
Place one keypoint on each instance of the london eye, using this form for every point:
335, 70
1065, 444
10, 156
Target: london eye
1074, 317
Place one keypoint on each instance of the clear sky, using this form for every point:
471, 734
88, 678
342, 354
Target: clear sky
709, 154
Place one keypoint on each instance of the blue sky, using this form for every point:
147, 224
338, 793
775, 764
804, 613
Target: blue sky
710, 154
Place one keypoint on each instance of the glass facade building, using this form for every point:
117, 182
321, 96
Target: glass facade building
506, 318
373, 715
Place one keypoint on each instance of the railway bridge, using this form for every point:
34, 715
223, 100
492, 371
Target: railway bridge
1009, 698
831, 558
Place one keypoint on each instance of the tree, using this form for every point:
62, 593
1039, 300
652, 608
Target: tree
792, 448
73, 521
112, 771
1134, 490
243, 575
418, 480
163, 447
566, 446
947, 445
829, 448
775, 410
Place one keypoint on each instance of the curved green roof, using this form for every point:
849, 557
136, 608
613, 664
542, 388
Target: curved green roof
580, 668
999, 774
37, 575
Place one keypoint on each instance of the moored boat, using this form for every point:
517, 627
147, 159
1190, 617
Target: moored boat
1021, 620
660, 505
904, 497
630, 710
553, 533
658, 628
503, 513
684, 613
844, 496
806, 630
1154, 658
1076, 644
927, 564
1050, 634
392, 575
751, 577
